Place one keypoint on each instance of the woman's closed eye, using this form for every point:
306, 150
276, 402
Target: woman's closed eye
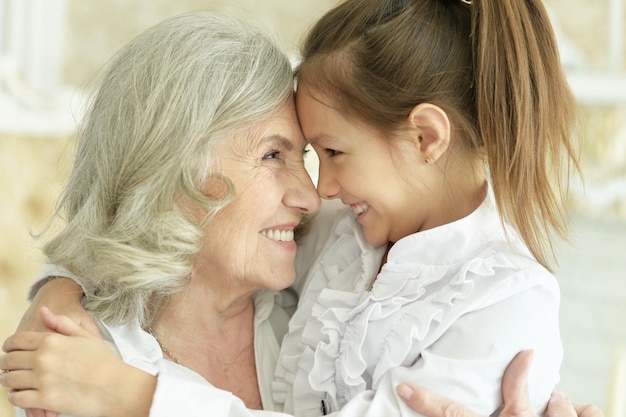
272, 155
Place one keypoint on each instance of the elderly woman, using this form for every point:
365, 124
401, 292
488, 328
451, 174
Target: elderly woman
187, 185
180, 213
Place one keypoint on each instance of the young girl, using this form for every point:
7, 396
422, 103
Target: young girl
436, 273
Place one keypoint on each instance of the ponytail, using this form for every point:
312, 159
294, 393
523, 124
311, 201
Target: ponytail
491, 65
526, 117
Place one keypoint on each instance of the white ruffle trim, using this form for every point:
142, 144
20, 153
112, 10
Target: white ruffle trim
401, 316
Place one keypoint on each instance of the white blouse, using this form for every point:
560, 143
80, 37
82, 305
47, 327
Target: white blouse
140, 349
448, 311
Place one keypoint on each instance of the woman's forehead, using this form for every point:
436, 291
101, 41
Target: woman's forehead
278, 131
282, 128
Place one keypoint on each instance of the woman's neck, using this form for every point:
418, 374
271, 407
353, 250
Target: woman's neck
212, 337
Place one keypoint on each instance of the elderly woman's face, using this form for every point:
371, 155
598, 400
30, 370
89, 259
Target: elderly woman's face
249, 244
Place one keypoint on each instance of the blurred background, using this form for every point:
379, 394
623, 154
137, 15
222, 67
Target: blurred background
50, 50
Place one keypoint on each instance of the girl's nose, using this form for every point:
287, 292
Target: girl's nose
327, 187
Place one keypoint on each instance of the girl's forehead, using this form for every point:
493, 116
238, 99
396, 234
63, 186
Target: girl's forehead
324, 140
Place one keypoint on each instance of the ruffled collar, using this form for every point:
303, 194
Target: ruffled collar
343, 338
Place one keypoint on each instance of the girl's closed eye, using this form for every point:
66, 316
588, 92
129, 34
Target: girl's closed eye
332, 153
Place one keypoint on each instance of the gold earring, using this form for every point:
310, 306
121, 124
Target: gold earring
428, 160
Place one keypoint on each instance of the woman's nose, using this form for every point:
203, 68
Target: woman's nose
303, 195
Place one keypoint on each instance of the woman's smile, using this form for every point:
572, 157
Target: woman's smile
284, 236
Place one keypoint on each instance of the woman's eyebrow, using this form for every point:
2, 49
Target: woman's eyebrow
283, 141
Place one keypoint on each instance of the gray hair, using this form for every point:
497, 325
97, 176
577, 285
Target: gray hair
145, 144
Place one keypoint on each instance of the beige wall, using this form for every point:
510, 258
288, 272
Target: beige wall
31, 171
32, 168
96, 29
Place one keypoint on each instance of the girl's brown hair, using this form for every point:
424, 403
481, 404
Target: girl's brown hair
492, 66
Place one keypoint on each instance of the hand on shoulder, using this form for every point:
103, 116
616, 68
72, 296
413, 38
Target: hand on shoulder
514, 392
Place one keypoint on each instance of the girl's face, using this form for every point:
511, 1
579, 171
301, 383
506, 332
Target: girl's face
360, 167
249, 243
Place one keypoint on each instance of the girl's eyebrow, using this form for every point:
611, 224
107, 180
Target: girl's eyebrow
323, 140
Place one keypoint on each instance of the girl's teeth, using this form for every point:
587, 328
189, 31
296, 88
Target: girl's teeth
360, 208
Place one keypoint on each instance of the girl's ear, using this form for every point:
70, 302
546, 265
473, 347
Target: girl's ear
430, 127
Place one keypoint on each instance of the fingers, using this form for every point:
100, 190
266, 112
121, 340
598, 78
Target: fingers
90, 326
31, 322
22, 341
21, 398
24, 392
33, 340
515, 385
70, 327
63, 295
18, 380
50, 320
560, 406
588, 411
514, 390
36, 412
15, 361
515, 395
426, 402
60, 324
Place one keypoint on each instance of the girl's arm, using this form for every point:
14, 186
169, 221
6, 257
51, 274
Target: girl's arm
73, 371
63, 296
67, 363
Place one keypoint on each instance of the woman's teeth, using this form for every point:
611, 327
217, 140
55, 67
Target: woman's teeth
278, 235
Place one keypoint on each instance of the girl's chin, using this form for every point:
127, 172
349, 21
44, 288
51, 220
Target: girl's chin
375, 240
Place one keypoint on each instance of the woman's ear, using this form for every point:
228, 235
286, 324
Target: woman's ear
430, 127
